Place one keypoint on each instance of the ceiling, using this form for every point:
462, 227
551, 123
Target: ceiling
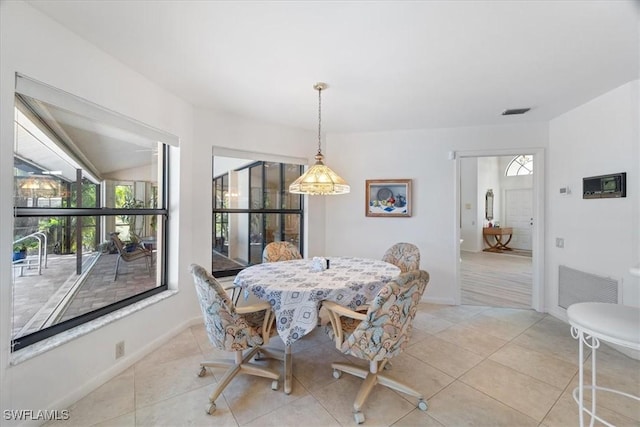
100, 149
389, 64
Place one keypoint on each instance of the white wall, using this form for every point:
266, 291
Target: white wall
39, 48
600, 236
421, 155
215, 129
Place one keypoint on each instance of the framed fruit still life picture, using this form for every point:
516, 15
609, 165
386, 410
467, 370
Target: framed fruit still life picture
388, 197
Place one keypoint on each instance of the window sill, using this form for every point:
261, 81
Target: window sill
84, 329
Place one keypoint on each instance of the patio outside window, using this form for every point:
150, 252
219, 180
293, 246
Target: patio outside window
78, 182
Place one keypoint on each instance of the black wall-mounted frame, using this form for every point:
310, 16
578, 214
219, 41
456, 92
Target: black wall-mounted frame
605, 186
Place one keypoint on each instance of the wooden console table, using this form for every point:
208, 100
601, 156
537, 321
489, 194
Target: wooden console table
497, 233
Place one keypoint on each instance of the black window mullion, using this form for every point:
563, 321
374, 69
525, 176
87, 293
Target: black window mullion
40, 212
264, 205
258, 207
281, 216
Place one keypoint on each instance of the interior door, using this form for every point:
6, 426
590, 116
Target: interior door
519, 216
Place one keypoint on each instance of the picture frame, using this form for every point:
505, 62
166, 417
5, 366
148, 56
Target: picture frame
388, 198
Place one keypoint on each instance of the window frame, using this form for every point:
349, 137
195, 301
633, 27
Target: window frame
527, 164
18, 343
260, 210
41, 92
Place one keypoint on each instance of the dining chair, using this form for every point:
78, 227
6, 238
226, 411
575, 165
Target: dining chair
233, 329
128, 255
275, 252
280, 251
406, 256
378, 335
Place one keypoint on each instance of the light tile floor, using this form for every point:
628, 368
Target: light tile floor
476, 366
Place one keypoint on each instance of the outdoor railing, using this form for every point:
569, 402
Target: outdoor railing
42, 253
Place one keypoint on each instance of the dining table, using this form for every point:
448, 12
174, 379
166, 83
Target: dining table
296, 288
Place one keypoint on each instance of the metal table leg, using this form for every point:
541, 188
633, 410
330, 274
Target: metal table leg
288, 369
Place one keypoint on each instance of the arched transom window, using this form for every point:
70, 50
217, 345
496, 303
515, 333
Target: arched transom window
520, 165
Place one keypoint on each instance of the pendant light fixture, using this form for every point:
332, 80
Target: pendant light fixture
319, 180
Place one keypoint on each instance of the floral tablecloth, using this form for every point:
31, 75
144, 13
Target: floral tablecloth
295, 291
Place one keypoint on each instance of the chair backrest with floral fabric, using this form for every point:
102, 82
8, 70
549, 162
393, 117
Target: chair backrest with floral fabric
280, 251
227, 330
406, 256
386, 330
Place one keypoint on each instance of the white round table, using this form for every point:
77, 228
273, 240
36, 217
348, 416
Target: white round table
592, 322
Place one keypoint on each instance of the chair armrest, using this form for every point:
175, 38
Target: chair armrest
259, 306
236, 291
269, 317
335, 311
140, 248
343, 311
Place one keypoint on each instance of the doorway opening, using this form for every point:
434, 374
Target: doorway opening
500, 218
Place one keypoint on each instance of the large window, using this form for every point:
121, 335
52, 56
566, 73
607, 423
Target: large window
252, 207
83, 183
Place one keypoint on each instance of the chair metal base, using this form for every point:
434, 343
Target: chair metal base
240, 365
371, 377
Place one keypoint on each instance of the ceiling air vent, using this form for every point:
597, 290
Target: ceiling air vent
512, 111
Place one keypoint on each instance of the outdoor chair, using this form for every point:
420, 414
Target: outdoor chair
406, 256
280, 251
129, 255
233, 329
378, 335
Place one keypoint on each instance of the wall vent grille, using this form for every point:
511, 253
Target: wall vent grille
577, 286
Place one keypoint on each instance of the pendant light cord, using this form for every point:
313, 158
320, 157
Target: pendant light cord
319, 118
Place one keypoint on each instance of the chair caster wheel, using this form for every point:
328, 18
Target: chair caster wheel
211, 408
337, 374
422, 405
203, 371
258, 356
359, 417
274, 385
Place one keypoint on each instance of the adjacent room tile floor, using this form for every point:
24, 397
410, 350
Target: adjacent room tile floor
475, 365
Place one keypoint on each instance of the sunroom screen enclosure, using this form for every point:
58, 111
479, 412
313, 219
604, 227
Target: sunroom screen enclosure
79, 180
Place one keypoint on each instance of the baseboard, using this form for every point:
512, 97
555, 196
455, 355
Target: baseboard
122, 365
439, 300
559, 313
